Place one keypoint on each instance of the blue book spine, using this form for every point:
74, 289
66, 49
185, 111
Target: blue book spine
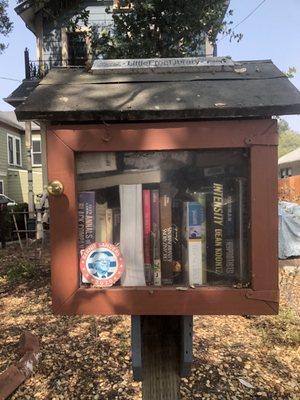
196, 219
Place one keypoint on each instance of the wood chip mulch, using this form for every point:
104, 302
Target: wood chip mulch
89, 357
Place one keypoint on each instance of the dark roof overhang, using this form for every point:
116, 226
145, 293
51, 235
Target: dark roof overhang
251, 89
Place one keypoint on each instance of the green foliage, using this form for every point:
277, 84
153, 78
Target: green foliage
288, 139
9, 226
5, 23
156, 28
291, 72
21, 270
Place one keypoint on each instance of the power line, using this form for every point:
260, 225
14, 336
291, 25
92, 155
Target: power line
10, 79
245, 19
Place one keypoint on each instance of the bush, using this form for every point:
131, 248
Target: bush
21, 270
9, 226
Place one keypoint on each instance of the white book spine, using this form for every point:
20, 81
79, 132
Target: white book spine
131, 243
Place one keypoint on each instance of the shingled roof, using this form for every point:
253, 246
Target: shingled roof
247, 89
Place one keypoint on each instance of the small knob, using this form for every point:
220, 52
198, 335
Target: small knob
55, 188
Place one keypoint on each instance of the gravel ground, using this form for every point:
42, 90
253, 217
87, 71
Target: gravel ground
89, 358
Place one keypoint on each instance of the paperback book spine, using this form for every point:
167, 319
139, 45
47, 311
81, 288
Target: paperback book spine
101, 222
215, 231
86, 221
193, 219
177, 240
166, 236
230, 241
147, 235
116, 226
109, 225
155, 237
200, 197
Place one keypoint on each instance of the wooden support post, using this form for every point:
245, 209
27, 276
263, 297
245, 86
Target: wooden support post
29, 169
17, 230
161, 356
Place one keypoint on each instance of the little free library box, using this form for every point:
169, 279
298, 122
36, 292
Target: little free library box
163, 177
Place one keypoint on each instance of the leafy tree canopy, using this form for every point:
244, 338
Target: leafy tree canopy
162, 28
5, 24
150, 28
288, 139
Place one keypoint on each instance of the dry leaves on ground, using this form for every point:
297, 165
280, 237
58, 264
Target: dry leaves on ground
89, 357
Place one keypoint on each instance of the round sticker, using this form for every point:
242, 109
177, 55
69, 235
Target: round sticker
102, 264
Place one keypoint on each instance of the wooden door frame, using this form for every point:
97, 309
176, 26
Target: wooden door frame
259, 136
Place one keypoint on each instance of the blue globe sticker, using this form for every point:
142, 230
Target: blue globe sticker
102, 264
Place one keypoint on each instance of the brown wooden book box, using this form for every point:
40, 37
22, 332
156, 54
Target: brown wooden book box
229, 109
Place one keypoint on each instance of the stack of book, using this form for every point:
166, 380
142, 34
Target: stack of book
194, 238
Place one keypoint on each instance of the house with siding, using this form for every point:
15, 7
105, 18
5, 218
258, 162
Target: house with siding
289, 164
57, 46
13, 161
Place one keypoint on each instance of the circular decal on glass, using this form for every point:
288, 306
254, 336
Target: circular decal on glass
102, 264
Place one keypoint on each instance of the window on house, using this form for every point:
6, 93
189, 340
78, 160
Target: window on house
18, 151
285, 172
77, 48
14, 150
1, 187
10, 150
122, 5
36, 152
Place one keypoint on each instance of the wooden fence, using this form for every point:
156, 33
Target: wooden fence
289, 189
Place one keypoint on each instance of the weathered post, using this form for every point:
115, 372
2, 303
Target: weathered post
28, 144
161, 357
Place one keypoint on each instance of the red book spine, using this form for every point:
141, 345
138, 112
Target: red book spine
147, 234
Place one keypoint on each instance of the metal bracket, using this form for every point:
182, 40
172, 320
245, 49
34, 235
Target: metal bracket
186, 351
185, 344
263, 295
136, 347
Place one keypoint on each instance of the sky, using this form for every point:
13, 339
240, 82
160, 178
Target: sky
272, 32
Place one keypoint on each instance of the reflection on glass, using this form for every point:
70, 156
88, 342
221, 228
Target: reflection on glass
180, 217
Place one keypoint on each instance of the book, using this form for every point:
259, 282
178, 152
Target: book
109, 225
215, 232
194, 220
200, 197
101, 222
116, 225
86, 221
147, 235
192, 253
131, 235
89, 182
227, 233
155, 237
229, 240
177, 240
166, 234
